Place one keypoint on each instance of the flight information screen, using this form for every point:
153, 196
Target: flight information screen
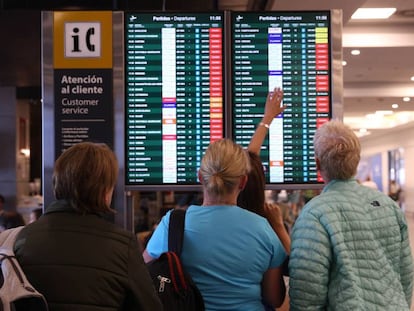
174, 94
290, 50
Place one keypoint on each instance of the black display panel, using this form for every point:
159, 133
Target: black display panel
291, 50
174, 95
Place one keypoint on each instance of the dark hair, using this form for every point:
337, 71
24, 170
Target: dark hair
189, 198
2, 200
252, 197
83, 174
11, 219
37, 212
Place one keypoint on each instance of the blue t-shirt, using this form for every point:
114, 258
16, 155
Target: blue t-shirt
226, 250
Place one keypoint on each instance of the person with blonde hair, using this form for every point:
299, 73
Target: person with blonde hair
227, 250
72, 255
350, 248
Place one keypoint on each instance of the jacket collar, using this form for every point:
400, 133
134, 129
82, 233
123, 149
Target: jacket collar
63, 206
60, 206
338, 183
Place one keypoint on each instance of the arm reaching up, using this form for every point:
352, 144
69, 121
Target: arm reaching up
272, 109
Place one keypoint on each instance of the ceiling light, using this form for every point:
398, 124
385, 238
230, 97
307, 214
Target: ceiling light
376, 121
406, 99
355, 52
344, 63
373, 13
394, 106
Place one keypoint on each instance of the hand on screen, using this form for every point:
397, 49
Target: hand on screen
273, 103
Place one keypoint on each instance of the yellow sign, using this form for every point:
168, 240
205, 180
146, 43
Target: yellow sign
82, 39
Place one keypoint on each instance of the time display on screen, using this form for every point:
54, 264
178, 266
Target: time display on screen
174, 94
290, 50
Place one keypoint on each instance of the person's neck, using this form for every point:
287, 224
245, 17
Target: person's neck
229, 199
218, 202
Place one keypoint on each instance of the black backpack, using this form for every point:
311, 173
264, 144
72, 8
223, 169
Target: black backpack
174, 286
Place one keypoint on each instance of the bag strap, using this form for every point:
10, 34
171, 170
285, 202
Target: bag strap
177, 272
176, 231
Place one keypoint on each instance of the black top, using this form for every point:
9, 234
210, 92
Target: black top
82, 262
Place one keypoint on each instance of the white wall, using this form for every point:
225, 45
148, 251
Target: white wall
402, 137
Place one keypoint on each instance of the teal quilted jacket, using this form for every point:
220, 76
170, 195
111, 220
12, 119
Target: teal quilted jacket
350, 251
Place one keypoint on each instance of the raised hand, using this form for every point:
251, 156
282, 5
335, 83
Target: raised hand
272, 106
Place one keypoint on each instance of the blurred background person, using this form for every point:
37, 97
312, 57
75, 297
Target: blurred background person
368, 182
10, 219
187, 199
35, 214
2, 201
395, 190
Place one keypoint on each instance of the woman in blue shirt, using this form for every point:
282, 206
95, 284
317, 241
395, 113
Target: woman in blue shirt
227, 250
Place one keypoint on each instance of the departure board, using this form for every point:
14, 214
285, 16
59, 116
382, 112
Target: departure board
174, 94
290, 50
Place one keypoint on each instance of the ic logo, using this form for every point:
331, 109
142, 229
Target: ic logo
82, 39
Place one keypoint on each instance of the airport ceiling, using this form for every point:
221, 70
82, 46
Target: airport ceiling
381, 76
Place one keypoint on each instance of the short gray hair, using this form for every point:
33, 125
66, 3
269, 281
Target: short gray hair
338, 150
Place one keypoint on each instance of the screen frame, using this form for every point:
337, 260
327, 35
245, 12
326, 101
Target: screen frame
196, 186
335, 80
336, 94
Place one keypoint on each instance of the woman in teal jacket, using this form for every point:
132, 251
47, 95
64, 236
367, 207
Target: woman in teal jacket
350, 247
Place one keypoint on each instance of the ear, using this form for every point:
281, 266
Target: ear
243, 182
200, 178
108, 196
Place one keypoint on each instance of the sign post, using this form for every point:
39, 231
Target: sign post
82, 91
